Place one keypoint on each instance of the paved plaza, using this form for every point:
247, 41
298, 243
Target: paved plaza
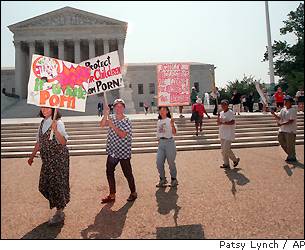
262, 198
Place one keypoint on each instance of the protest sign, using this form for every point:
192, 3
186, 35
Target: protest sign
105, 73
173, 84
261, 93
57, 84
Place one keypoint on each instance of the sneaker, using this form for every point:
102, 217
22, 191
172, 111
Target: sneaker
174, 183
224, 166
58, 217
162, 183
236, 163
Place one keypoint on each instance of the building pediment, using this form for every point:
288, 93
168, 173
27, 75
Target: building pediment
66, 16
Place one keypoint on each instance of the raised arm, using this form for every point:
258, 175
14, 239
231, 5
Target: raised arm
275, 115
119, 132
105, 118
174, 130
61, 139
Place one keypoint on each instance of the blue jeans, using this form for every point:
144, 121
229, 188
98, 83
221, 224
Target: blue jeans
166, 150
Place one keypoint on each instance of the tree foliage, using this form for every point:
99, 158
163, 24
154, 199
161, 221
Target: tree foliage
243, 86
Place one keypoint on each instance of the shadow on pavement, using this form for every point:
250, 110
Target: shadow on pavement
167, 201
44, 231
236, 178
108, 224
181, 232
289, 170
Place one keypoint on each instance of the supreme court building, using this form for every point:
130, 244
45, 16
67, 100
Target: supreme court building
75, 35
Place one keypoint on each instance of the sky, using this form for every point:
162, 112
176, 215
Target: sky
230, 35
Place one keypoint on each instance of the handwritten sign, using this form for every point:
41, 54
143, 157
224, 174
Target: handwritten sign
173, 84
57, 84
261, 93
105, 73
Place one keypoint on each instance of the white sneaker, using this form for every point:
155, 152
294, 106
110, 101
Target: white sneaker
162, 183
174, 183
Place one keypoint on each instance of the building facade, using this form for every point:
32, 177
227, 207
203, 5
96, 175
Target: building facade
75, 35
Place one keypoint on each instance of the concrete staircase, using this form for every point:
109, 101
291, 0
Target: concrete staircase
87, 138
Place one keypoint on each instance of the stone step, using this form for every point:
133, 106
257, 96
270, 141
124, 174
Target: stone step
145, 130
5, 130
75, 141
151, 143
143, 122
153, 135
154, 149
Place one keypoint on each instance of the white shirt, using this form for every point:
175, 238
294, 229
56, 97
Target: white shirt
300, 93
215, 94
286, 115
227, 132
164, 128
47, 124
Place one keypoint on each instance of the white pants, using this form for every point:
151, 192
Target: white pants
227, 152
236, 108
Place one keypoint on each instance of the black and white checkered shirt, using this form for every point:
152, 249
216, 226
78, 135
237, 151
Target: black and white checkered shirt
117, 147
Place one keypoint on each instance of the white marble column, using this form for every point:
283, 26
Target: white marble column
76, 51
126, 92
106, 46
19, 69
121, 51
46, 48
91, 48
31, 51
61, 50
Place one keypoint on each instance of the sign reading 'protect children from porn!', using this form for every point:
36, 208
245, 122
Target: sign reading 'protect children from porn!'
106, 73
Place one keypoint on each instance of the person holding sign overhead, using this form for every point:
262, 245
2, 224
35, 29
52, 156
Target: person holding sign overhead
166, 129
54, 174
118, 148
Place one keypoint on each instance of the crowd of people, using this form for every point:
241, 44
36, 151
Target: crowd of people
54, 153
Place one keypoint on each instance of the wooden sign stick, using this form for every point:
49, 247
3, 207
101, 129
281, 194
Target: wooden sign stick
52, 132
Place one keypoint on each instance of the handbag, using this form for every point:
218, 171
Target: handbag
194, 116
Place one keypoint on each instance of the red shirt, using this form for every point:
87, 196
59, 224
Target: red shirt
279, 96
199, 107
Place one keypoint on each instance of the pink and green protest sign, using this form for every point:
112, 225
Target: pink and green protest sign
58, 84
173, 84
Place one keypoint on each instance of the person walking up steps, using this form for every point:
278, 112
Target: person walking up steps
287, 121
166, 129
118, 149
54, 173
226, 124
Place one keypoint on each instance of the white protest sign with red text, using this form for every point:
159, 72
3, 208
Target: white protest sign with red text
105, 73
57, 84
173, 84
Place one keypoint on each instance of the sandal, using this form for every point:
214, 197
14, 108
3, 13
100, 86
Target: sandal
132, 197
108, 199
